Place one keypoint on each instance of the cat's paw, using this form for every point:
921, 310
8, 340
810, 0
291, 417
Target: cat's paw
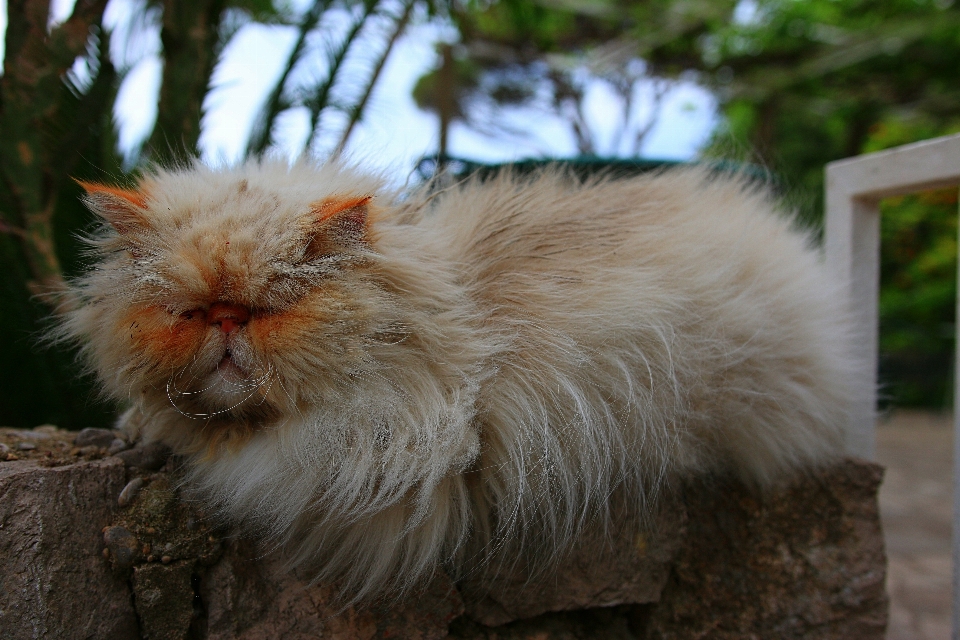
131, 423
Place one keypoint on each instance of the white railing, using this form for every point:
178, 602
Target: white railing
854, 188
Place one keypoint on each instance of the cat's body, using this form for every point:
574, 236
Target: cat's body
383, 387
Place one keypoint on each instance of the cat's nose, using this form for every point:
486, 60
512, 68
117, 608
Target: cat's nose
229, 317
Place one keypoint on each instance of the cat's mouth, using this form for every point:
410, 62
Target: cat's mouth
235, 385
230, 384
226, 377
229, 366
234, 369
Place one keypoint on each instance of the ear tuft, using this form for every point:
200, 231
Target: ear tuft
341, 209
336, 223
121, 208
341, 217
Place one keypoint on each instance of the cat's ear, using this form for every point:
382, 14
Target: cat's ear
121, 208
349, 213
339, 219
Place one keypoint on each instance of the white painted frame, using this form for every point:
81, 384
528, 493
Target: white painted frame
854, 188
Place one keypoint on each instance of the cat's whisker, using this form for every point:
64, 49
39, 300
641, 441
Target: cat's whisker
212, 414
173, 403
290, 398
191, 393
263, 394
194, 375
251, 385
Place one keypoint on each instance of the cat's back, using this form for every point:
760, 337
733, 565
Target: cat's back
684, 296
685, 233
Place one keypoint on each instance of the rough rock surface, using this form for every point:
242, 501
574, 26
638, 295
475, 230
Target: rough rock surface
54, 582
629, 564
808, 563
717, 562
251, 599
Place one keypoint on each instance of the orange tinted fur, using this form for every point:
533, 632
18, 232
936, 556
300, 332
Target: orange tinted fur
469, 375
133, 197
165, 340
330, 207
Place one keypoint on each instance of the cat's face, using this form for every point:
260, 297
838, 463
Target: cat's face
234, 305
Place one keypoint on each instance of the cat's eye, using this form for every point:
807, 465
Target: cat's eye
193, 314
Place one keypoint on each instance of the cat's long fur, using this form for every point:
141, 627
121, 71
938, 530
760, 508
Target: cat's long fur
422, 381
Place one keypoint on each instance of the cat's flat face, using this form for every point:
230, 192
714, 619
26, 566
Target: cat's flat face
233, 304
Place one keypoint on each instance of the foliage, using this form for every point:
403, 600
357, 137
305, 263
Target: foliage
800, 83
336, 95
918, 266
918, 297
528, 53
547, 54
804, 83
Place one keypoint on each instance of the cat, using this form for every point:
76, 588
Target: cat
382, 384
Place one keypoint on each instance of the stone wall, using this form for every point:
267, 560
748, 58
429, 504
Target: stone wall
95, 543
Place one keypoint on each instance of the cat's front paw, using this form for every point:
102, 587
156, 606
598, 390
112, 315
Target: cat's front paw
131, 423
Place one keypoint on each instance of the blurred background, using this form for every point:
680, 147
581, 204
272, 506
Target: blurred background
98, 89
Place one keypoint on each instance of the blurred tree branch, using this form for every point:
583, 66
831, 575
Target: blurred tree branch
355, 111
261, 136
317, 98
33, 101
191, 44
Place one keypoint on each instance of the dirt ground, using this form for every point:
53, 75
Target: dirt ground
916, 507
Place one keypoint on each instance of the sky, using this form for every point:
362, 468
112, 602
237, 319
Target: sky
394, 133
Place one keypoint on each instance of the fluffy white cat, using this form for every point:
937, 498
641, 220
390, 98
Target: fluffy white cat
384, 385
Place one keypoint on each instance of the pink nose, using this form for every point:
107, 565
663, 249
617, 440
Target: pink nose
229, 317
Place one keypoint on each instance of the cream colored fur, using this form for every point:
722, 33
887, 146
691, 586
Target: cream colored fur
476, 375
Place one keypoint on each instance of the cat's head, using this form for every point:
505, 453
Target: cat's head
232, 295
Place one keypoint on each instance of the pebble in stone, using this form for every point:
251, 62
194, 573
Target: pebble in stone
117, 446
150, 456
94, 437
4, 448
26, 446
130, 492
26, 434
123, 546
